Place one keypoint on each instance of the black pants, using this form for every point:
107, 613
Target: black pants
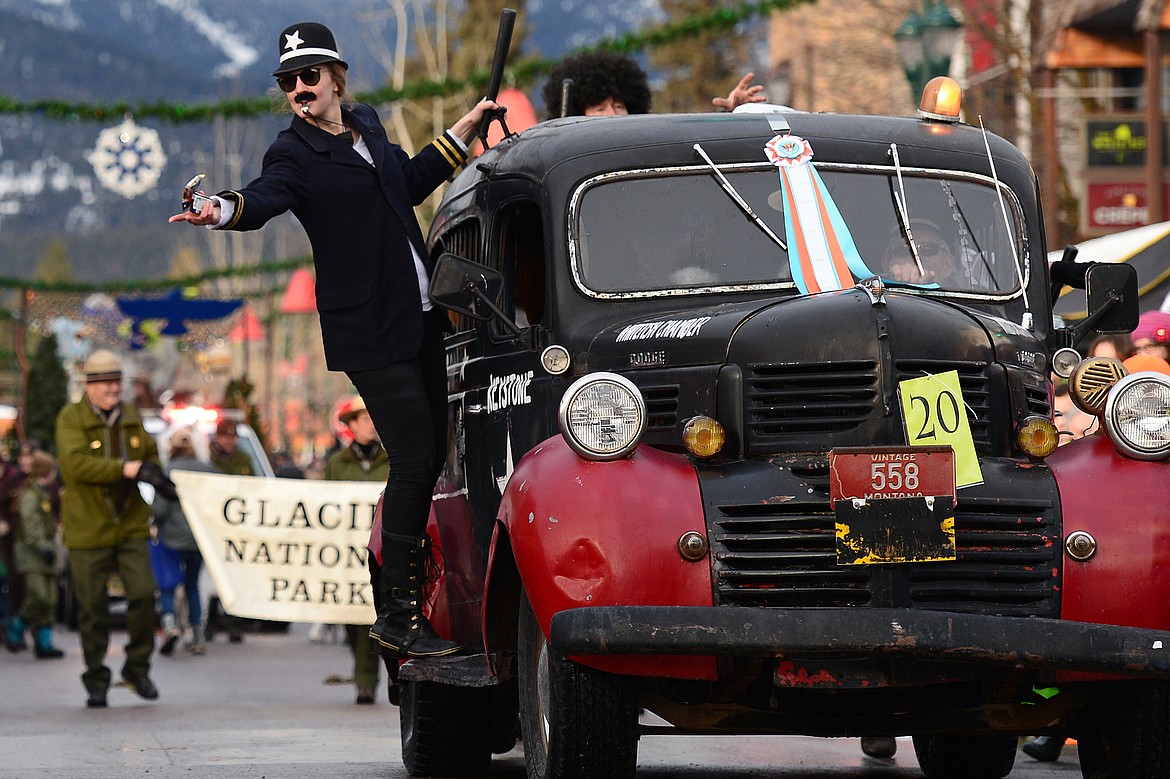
407, 403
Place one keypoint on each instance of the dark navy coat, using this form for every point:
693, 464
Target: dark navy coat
360, 222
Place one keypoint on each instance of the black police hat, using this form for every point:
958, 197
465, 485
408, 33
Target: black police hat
306, 44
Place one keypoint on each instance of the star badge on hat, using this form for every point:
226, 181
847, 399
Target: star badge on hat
291, 42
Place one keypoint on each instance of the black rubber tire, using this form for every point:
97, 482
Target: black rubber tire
505, 717
446, 730
1130, 736
966, 757
577, 723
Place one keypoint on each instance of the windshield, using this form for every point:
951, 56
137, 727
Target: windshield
648, 231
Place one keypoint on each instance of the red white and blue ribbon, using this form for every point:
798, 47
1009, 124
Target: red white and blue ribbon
821, 252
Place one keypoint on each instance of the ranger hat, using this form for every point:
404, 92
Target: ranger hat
103, 365
356, 406
305, 44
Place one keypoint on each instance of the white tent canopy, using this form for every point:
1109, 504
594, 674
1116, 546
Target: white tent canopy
1145, 248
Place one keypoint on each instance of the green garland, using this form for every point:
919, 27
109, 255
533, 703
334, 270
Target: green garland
523, 72
149, 285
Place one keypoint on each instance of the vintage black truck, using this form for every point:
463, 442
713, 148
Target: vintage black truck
751, 428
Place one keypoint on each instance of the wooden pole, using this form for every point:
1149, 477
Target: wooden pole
1155, 162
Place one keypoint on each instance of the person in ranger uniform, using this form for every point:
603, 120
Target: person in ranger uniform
363, 460
104, 450
225, 452
36, 558
227, 457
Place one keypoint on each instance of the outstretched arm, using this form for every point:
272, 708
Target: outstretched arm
743, 92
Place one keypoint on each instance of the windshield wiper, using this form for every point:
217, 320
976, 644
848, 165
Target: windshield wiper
739, 201
900, 207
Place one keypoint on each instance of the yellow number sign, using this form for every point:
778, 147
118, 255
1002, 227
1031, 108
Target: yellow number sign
935, 415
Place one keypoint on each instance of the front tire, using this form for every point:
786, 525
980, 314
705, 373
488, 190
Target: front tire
577, 722
966, 757
446, 730
1130, 734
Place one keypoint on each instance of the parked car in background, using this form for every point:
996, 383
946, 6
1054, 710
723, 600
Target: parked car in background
201, 420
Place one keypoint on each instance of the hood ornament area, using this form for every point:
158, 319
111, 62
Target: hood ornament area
875, 288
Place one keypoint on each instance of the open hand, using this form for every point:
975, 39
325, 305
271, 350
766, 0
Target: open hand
744, 92
208, 215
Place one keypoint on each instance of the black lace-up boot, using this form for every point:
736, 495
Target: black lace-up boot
401, 629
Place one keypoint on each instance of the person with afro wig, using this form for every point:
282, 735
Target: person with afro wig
606, 83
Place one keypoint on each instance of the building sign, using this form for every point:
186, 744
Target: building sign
1117, 143
1119, 204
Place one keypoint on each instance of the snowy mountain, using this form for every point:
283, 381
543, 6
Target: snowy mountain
139, 51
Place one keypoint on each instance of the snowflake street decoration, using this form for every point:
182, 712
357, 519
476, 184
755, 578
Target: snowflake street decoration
128, 159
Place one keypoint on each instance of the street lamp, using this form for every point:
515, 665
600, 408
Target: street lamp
925, 42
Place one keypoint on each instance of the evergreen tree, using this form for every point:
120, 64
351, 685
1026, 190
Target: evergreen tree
48, 388
54, 264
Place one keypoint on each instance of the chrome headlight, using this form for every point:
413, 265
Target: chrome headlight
602, 416
1137, 415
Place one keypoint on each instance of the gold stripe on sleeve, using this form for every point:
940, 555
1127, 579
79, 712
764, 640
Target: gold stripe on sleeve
451, 151
239, 199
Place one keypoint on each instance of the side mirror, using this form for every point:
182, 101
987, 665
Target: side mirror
1111, 290
465, 287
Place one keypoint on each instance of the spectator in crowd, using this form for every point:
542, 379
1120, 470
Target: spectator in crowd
1116, 345
225, 452
605, 83
1152, 335
37, 558
174, 532
363, 459
1146, 362
104, 450
1070, 420
13, 476
284, 467
227, 458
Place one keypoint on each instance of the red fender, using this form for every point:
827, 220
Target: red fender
1124, 504
588, 533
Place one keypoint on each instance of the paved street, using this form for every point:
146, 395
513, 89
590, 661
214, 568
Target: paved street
265, 709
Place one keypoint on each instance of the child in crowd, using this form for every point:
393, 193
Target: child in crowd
36, 559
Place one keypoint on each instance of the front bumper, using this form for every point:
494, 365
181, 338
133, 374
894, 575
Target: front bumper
1010, 642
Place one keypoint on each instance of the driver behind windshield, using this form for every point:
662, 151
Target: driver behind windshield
934, 252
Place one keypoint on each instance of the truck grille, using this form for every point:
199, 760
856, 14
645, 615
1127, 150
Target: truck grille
661, 406
974, 383
782, 554
804, 399
788, 405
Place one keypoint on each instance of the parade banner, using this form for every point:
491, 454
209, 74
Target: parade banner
291, 550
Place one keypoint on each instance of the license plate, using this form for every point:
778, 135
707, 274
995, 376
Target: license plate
893, 504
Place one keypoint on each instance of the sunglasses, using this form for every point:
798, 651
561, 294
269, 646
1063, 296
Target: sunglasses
309, 77
930, 249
